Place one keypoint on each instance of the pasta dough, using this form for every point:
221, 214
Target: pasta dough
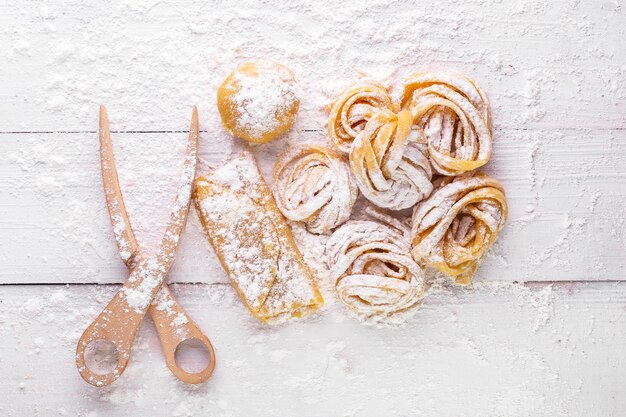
351, 110
373, 271
258, 101
455, 227
390, 168
455, 117
313, 184
254, 243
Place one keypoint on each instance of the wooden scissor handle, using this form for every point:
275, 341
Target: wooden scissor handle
174, 326
118, 325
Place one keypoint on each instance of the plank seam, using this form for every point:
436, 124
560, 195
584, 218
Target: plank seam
42, 132
79, 284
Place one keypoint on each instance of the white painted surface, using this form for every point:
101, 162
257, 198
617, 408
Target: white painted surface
566, 192
556, 75
487, 352
544, 64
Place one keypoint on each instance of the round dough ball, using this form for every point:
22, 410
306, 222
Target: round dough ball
258, 101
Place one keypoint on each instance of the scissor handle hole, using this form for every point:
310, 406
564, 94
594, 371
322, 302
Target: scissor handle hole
101, 356
192, 356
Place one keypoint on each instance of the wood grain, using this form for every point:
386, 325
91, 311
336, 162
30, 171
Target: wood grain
544, 65
554, 73
566, 191
550, 350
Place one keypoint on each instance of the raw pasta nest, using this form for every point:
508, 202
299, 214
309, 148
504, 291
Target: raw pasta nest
373, 271
390, 167
453, 229
351, 110
455, 117
313, 184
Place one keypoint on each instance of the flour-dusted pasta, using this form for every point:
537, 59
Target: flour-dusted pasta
453, 229
258, 101
351, 110
373, 271
313, 184
254, 243
454, 115
390, 167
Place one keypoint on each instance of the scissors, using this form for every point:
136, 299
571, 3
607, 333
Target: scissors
145, 290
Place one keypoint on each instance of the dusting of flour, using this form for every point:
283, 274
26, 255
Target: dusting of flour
263, 98
554, 74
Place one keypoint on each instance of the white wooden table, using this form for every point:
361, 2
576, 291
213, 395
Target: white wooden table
542, 332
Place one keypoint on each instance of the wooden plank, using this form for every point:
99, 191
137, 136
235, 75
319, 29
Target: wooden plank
554, 72
566, 190
548, 65
500, 349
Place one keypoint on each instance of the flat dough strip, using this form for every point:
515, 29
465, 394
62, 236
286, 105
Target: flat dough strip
254, 243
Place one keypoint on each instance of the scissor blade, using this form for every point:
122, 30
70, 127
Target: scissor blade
178, 215
126, 242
